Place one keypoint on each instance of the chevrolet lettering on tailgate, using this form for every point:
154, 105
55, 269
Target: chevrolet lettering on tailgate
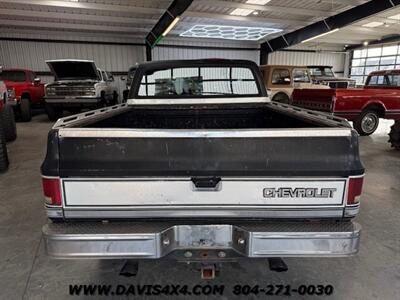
286, 192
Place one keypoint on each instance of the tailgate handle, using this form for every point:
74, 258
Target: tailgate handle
206, 183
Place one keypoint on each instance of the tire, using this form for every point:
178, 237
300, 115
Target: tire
26, 111
3, 148
125, 95
9, 126
394, 135
367, 122
281, 98
53, 113
115, 98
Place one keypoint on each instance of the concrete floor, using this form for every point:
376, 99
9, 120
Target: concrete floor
26, 272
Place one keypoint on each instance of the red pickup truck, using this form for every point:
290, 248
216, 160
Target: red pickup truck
25, 90
379, 98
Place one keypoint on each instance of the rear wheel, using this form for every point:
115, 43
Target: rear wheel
115, 98
54, 113
9, 127
26, 112
281, 98
367, 122
3, 148
394, 135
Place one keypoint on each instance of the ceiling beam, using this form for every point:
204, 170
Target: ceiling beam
338, 21
266, 8
166, 23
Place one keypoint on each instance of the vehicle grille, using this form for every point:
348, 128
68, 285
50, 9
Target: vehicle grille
339, 85
71, 91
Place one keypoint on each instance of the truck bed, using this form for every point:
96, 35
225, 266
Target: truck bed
253, 140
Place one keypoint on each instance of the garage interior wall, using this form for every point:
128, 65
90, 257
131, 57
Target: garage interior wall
300, 58
239, 51
32, 55
111, 57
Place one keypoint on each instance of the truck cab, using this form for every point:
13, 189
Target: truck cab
78, 84
281, 80
25, 90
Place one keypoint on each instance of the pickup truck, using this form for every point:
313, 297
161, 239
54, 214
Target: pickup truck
281, 80
324, 75
200, 166
78, 84
25, 91
379, 98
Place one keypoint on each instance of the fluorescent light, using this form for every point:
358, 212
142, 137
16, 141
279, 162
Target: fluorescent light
240, 33
258, 2
321, 35
373, 24
172, 25
241, 12
395, 17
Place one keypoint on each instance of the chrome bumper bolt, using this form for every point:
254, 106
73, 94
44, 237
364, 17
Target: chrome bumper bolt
166, 242
241, 241
221, 254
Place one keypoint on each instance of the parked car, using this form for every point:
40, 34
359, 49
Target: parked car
216, 171
282, 80
379, 98
325, 75
25, 91
8, 130
78, 84
128, 79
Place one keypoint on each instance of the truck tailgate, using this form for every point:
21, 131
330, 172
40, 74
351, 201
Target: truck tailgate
132, 173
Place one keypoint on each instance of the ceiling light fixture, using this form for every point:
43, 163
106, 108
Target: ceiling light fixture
373, 24
172, 25
241, 12
258, 2
320, 35
239, 33
366, 43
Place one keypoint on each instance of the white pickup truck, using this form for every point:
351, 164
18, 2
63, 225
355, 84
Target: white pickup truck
78, 84
200, 166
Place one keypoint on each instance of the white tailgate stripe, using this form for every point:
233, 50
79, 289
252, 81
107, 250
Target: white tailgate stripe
182, 192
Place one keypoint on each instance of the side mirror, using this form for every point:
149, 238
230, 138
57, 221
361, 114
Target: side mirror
36, 81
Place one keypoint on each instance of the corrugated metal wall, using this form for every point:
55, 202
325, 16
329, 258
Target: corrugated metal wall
337, 60
162, 53
32, 55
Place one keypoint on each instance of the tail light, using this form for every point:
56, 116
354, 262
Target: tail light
354, 190
52, 191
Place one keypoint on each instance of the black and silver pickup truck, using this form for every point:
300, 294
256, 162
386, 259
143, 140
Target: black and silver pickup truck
200, 166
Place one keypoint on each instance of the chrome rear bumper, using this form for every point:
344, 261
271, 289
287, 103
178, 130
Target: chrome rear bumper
149, 240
